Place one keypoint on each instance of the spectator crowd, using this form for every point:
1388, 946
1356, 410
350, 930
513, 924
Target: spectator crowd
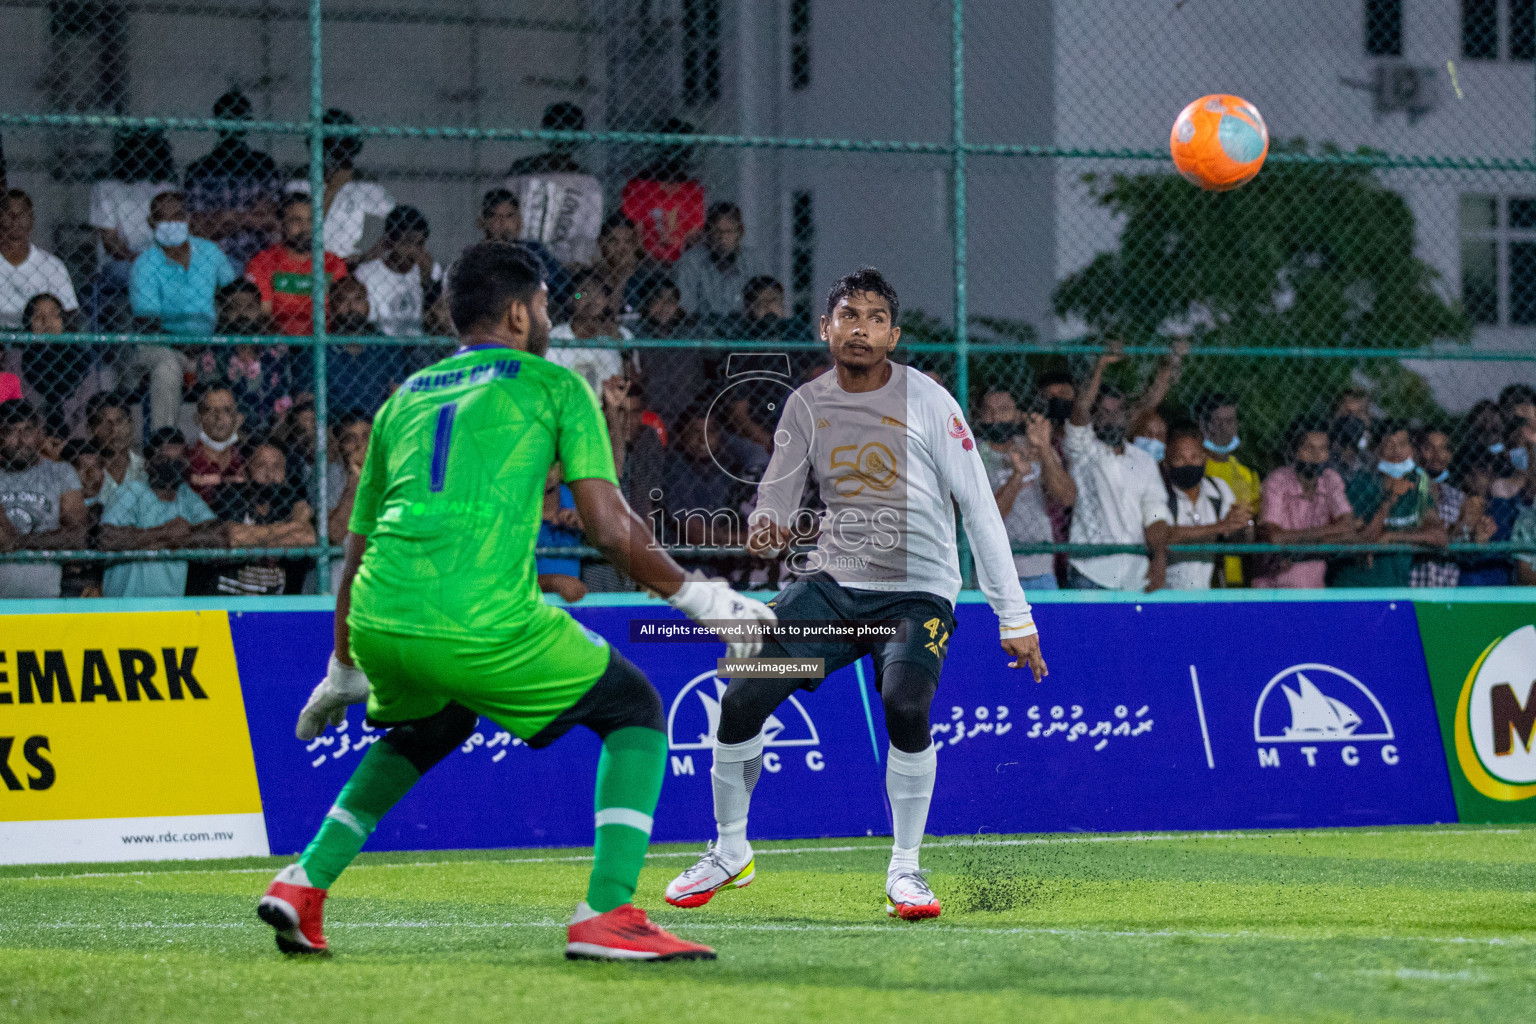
172, 444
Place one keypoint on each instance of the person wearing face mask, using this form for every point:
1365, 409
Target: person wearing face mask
1149, 432
1396, 507
267, 512
1026, 475
1303, 503
1432, 447
1482, 435
1204, 510
1218, 425
1120, 494
162, 512
171, 289
1349, 435
215, 460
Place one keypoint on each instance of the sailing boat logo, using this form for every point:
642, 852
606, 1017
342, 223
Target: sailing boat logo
693, 720
1321, 704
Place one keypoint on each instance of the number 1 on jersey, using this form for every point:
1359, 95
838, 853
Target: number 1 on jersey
440, 445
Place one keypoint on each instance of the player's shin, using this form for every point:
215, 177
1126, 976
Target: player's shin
909, 785
732, 778
629, 774
382, 777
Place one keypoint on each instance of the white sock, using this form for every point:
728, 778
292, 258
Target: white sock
909, 785
732, 778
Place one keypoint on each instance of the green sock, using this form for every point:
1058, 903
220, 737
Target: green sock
628, 786
381, 779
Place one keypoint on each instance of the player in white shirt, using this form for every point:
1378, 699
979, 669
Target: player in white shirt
890, 449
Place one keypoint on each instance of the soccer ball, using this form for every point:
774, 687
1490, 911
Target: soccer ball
1219, 142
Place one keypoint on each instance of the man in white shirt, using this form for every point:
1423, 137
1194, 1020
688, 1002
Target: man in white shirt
1120, 494
404, 282
561, 204
892, 456
348, 202
592, 317
26, 270
1204, 509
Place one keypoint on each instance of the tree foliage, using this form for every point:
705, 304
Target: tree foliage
1307, 254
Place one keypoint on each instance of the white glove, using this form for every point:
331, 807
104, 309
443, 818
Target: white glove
342, 686
706, 600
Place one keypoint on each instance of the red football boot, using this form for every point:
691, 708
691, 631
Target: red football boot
296, 911
625, 933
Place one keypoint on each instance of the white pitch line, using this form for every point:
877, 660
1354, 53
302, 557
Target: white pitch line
888, 928
1156, 837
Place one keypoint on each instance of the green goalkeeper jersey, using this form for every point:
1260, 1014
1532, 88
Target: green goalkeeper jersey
452, 492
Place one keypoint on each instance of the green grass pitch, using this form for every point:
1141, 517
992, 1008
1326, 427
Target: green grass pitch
1385, 924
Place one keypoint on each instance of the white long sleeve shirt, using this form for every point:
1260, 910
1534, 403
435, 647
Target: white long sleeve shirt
1119, 495
888, 463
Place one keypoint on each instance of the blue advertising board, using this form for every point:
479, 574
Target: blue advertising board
1154, 716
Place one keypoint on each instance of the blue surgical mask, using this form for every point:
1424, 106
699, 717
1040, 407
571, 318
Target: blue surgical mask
1396, 470
1152, 446
171, 233
1520, 459
1442, 476
1497, 447
1223, 449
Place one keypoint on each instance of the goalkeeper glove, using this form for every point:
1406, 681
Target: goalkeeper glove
342, 686
708, 600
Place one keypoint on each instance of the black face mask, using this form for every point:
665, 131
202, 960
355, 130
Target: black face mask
1347, 431
267, 494
166, 474
349, 323
998, 432
1185, 477
1058, 410
1112, 434
1309, 470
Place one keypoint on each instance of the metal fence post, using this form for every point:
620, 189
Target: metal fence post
957, 159
317, 292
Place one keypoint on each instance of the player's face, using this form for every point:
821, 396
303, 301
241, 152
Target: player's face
859, 332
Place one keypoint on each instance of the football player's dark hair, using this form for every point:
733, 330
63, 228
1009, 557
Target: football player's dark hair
487, 278
862, 281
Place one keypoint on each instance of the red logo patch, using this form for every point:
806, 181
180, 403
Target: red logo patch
968, 444
956, 426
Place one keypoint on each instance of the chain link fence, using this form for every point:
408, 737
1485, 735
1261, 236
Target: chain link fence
693, 174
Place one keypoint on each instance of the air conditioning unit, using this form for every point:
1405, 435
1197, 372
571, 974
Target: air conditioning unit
1410, 88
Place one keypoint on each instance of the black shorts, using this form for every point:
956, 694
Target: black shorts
930, 623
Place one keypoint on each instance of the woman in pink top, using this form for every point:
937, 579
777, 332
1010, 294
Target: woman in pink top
1304, 503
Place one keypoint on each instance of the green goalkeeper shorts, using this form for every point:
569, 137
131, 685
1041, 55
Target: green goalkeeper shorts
522, 684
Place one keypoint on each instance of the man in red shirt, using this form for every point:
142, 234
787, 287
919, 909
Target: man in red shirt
665, 202
284, 272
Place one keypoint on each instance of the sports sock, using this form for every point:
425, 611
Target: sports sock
909, 785
628, 785
382, 777
733, 777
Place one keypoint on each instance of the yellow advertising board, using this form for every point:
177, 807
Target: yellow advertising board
123, 719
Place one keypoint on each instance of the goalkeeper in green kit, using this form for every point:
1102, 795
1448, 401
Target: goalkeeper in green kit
439, 618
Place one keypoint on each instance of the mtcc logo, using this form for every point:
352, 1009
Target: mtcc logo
693, 720
1496, 716
1313, 704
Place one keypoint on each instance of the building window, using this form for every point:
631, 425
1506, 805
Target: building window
799, 44
1498, 259
802, 254
701, 51
1384, 28
1498, 29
